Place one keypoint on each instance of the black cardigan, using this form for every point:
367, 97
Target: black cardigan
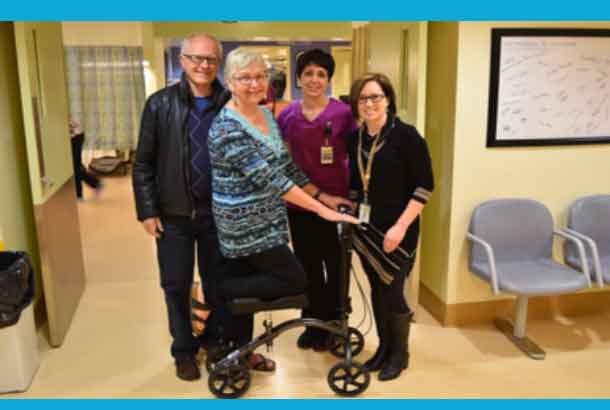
402, 170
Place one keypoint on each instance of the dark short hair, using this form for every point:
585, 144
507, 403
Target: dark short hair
278, 83
317, 57
384, 83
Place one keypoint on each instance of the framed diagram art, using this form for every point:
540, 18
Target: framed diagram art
549, 87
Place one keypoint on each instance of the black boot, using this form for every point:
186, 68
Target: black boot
398, 360
383, 330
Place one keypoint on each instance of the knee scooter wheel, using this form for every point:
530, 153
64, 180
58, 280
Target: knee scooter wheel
356, 342
348, 378
229, 383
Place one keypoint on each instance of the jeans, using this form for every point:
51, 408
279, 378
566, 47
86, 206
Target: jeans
182, 239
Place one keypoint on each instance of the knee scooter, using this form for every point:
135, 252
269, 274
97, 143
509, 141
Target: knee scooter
229, 376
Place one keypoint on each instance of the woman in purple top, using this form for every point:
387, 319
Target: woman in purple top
316, 131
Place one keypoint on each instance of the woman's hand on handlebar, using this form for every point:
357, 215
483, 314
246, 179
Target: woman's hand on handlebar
335, 216
334, 202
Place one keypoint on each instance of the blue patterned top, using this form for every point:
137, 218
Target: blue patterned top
250, 173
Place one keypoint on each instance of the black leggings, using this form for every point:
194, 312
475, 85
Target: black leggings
316, 244
390, 297
269, 274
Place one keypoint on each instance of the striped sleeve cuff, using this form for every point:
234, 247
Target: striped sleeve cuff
300, 179
282, 184
421, 195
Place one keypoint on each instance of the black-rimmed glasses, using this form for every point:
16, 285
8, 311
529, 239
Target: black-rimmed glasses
373, 98
198, 59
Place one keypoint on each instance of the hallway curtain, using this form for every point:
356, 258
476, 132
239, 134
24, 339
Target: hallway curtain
360, 51
106, 91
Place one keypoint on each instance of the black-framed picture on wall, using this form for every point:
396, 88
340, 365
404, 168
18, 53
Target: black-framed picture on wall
549, 87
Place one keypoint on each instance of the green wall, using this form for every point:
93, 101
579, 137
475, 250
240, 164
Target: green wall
16, 209
440, 130
40, 57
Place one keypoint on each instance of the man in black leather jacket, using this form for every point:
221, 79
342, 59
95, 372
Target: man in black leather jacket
172, 186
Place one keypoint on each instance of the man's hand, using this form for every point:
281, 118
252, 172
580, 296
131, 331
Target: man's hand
334, 202
153, 226
393, 238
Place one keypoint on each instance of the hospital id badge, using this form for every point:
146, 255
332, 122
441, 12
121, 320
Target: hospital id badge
326, 155
364, 213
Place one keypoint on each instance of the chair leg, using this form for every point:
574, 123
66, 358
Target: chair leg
520, 316
516, 333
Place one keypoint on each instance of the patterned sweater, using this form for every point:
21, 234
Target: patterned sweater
250, 174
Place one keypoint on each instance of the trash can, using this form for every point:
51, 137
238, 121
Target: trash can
19, 353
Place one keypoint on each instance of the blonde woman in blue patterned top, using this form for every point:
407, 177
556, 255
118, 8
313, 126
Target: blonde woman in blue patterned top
252, 175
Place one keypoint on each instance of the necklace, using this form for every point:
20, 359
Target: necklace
366, 171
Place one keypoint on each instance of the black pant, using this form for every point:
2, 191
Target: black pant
267, 275
176, 254
317, 246
389, 297
80, 173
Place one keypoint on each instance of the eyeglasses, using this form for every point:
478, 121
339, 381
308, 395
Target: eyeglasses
373, 98
199, 59
248, 80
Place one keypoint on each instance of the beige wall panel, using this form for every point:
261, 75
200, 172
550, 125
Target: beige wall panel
102, 33
554, 176
276, 30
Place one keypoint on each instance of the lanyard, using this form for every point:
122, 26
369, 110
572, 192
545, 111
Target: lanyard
328, 131
365, 174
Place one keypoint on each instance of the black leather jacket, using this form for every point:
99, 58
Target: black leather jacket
161, 171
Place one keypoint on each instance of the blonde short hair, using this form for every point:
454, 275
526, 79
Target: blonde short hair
240, 58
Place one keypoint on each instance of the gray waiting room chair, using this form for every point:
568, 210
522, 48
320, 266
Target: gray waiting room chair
589, 220
512, 243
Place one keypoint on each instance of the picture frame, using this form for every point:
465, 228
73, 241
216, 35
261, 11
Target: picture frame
549, 87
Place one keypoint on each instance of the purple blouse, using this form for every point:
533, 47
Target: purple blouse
305, 139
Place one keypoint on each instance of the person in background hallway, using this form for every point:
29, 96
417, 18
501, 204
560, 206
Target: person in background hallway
77, 139
392, 180
316, 131
277, 86
253, 175
172, 187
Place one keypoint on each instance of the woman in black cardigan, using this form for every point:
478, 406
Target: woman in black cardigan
392, 180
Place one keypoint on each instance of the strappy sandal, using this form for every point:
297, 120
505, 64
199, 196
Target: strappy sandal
260, 363
200, 311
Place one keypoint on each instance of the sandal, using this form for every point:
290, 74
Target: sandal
260, 363
199, 310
